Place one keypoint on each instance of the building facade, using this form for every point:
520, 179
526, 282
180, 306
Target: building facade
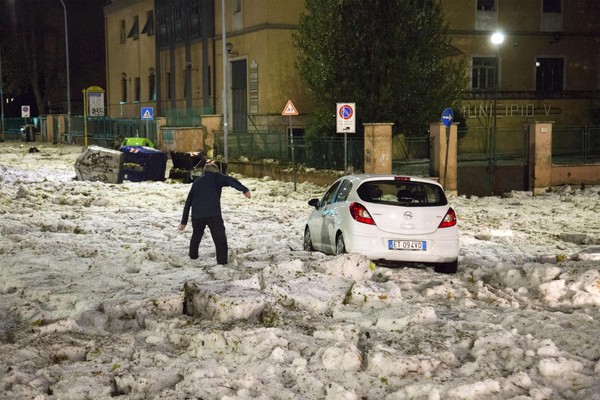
547, 68
169, 54
178, 65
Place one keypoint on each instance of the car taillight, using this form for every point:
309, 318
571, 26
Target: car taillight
360, 214
449, 219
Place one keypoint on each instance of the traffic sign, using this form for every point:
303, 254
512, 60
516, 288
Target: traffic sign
147, 113
447, 117
289, 109
25, 111
346, 118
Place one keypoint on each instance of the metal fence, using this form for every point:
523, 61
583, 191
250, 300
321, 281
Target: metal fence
182, 117
317, 152
107, 129
480, 145
575, 144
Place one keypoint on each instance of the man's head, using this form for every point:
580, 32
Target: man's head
211, 167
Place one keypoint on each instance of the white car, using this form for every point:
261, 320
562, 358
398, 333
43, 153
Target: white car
386, 218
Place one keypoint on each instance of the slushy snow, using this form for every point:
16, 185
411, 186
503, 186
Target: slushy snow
99, 300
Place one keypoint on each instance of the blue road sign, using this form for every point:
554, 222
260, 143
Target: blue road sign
147, 113
447, 117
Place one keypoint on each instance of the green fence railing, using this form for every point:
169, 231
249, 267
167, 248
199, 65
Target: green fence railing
575, 144
321, 152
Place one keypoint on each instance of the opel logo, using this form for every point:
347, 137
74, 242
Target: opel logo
408, 215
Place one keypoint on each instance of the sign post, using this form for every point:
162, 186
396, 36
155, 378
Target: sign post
290, 110
447, 118
147, 114
346, 123
93, 106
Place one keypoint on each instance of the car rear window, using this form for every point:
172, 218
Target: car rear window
402, 193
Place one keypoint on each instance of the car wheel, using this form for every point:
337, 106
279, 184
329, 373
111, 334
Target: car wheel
308, 246
340, 247
447, 268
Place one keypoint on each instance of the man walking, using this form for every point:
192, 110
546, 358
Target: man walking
205, 200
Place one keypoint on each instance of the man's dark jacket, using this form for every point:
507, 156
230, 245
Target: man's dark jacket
205, 195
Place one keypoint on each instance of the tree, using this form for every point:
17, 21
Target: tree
390, 57
34, 60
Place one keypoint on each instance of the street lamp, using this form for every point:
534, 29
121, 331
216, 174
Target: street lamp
497, 39
68, 74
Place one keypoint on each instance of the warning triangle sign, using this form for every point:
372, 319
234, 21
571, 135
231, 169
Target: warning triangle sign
289, 109
147, 115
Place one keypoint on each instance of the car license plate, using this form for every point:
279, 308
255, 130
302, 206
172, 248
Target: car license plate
407, 245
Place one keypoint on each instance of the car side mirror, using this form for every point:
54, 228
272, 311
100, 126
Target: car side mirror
314, 203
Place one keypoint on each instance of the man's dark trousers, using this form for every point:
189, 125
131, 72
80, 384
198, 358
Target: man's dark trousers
217, 231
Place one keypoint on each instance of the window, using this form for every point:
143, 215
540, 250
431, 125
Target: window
402, 193
483, 73
187, 79
485, 5
208, 80
149, 26
236, 6
329, 195
551, 6
549, 75
344, 191
151, 85
123, 88
134, 33
122, 33
136, 89
169, 86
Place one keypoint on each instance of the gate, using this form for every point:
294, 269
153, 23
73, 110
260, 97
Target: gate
492, 163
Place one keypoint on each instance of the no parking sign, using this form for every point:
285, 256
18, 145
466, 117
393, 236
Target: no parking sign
25, 111
346, 118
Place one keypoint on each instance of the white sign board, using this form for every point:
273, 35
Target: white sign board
346, 118
25, 111
95, 104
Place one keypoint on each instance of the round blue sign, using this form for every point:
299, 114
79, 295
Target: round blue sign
447, 117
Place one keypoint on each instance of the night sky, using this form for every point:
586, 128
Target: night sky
85, 20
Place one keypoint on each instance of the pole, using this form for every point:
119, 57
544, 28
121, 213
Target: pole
497, 39
447, 131
293, 157
1, 96
224, 48
345, 152
495, 132
85, 107
68, 74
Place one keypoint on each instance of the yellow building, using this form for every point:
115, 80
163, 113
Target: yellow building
168, 54
178, 65
547, 66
